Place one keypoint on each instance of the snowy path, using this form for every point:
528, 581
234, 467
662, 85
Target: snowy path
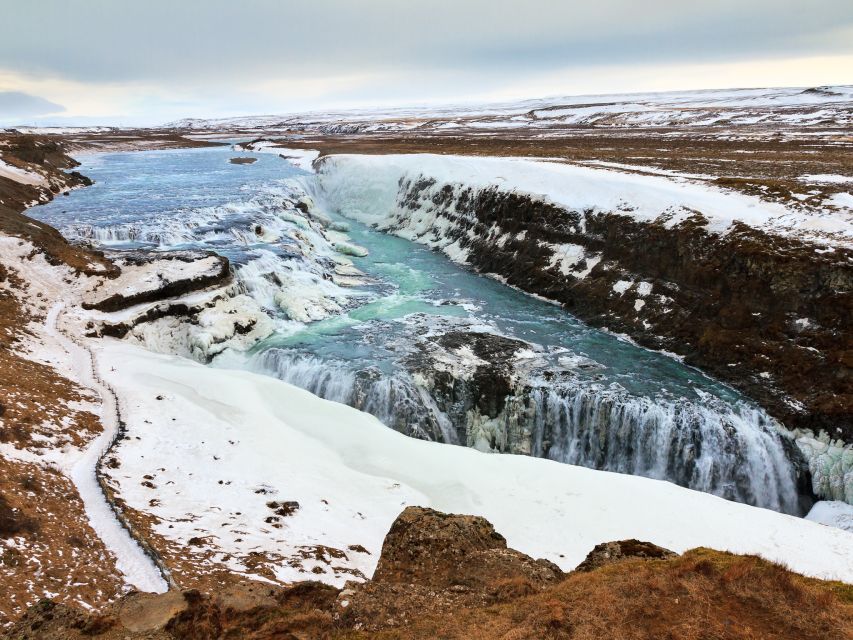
138, 569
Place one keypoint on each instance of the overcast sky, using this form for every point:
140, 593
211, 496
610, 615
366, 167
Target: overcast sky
147, 62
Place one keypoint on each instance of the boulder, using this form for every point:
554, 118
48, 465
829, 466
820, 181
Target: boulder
611, 552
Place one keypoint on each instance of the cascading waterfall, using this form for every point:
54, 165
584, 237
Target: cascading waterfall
288, 258
394, 400
738, 455
733, 453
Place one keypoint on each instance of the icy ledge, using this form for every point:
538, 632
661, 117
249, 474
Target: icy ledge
366, 188
222, 435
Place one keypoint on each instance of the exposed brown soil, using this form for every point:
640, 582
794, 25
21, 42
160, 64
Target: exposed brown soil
425, 592
46, 543
48, 158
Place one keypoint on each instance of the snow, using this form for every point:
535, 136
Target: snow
841, 200
19, 175
644, 289
302, 158
621, 286
738, 107
137, 568
153, 276
63, 130
647, 169
569, 256
365, 187
832, 513
827, 178
352, 476
48, 343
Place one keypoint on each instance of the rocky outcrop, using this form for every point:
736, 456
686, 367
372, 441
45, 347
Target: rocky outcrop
439, 550
149, 277
610, 552
766, 313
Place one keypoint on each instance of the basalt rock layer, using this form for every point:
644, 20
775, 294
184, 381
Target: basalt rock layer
769, 314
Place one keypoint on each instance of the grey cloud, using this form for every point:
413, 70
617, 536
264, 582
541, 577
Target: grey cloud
16, 104
196, 42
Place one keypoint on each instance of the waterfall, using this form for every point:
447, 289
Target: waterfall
733, 452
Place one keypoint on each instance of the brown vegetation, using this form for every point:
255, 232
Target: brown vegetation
436, 580
46, 543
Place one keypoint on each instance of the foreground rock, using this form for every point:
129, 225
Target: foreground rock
609, 552
452, 576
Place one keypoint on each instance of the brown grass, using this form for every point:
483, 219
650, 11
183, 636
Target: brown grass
702, 595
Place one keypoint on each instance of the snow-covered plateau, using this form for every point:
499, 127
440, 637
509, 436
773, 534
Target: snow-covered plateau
727, 110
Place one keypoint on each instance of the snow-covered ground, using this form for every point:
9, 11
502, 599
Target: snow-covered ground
131, 560
47, 343
302, 158
62, 130
732, 107
152, 276
220, 445
366, 188
22, 176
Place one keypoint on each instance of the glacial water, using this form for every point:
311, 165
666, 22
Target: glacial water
613, 405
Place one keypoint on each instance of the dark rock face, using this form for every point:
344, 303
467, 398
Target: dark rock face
168, 288
490, 383
483, 392
610, 552
770, 315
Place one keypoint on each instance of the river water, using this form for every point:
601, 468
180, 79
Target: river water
604, 403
